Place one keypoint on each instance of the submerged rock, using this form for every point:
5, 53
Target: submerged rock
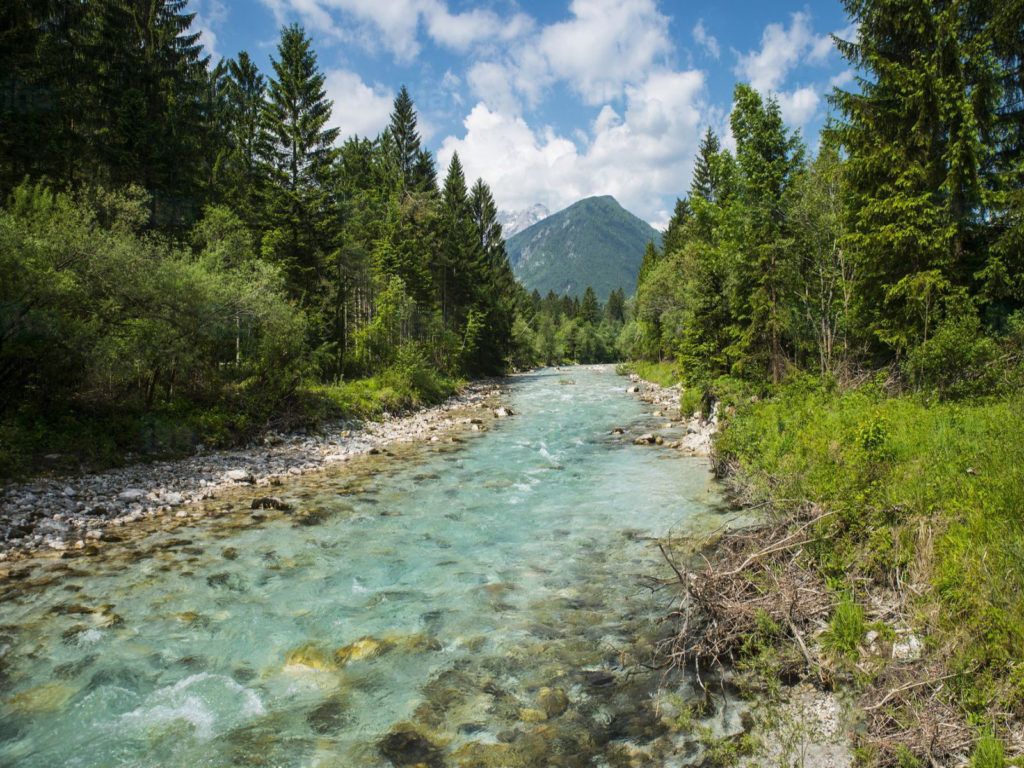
270, 502
553, 701
646, 439
309, 656
406, 747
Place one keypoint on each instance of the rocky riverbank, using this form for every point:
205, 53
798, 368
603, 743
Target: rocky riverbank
687, 432
55, 514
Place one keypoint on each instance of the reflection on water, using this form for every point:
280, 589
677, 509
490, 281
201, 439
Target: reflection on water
479, 604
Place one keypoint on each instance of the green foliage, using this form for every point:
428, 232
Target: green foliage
845, 629
929, 487
988, 752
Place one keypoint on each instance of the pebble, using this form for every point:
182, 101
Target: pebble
55, 513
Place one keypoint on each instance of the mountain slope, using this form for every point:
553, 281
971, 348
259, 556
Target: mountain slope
594, 242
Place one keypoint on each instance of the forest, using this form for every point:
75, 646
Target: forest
191, 254
857, 315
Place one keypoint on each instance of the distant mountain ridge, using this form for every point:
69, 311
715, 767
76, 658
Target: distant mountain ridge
593, 242
514, 222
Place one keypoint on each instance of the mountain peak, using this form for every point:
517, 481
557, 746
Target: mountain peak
513, 222
594, 241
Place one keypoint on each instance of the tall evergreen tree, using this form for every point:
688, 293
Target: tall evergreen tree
767, 156
406, 138
243, 172
300, 216
706, 173
915, 134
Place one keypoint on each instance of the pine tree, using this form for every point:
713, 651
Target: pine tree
299, 214
496, 290
676, 231
407, 140
767, 156
706, 182
590, 309
458, 258
244, 170
915, 134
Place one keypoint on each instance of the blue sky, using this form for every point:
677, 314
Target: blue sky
554, 100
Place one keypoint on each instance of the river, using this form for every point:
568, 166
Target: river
471, 604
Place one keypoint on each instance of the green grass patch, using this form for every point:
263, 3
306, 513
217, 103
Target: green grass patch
921, 491
665, 374
74, 438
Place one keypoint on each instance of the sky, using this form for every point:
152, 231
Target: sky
551, 101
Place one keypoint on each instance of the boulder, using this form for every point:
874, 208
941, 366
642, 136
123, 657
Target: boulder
503, 412
239, 476
647, 439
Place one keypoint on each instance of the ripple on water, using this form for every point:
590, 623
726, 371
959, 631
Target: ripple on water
490, 617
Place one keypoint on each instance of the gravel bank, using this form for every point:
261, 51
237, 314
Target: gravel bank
58, 513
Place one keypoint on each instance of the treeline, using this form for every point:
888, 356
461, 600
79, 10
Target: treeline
566, 329
900, 244
184, 236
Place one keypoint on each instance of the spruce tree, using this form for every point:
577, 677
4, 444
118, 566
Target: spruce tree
706, 174
915, 135
407, 139
767, 157
299, 215
244, 172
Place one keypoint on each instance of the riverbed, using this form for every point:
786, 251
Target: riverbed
476, 603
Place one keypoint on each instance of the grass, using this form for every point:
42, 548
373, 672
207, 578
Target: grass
923, 492
72, 438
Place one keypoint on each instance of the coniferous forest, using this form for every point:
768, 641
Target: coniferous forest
190, 251
855, 314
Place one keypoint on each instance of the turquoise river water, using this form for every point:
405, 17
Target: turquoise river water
481, 603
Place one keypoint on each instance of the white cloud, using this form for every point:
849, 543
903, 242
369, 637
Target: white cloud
843, 80
640, 156
394, 25
798, 106
781, 50
708, 42
606, 45
358, 108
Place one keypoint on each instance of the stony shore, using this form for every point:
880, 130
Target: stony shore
696, 430
55, 514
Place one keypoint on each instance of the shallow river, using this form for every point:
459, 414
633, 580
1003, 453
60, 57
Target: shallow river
481, 603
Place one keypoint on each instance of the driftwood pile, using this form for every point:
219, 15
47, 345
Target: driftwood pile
758, 578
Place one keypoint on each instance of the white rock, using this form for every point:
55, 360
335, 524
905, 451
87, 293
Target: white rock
131, 494
239, 476
910, 648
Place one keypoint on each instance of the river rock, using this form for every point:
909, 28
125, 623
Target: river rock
129, 495
553, 701
406, 747
270, 502
633, 390
239, 476
503, 412
646, 439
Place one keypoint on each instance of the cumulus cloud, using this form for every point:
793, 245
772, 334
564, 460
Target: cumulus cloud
781, 50
606, 45
394, 25
798, 106
708, 42
359, 109
639, 156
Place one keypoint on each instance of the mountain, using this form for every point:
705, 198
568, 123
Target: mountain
594, 242
515, 222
